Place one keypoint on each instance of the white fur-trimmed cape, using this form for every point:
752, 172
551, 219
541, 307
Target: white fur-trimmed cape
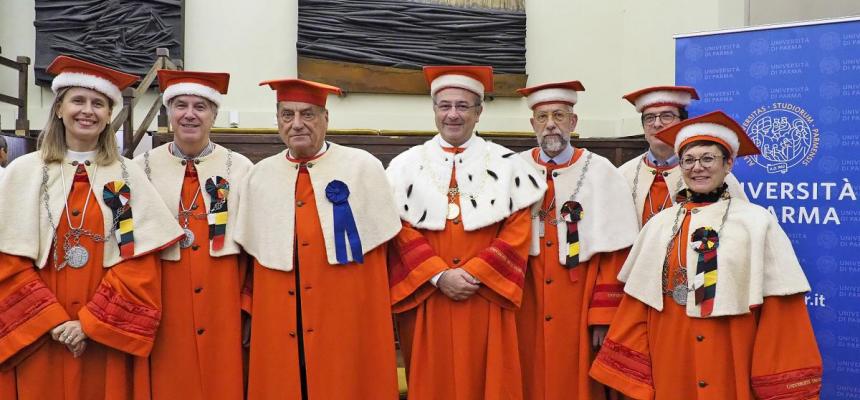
26, 232
265, 226
608, 222
755, 258
493, 181
168, 173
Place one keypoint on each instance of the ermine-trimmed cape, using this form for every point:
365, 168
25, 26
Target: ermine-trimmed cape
167, 174
674, 182
608, 222
493, 183
267, 214
26, 232
754, 258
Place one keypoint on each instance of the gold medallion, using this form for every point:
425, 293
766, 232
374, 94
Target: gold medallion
453, 210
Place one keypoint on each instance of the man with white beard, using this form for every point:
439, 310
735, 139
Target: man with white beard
581, 233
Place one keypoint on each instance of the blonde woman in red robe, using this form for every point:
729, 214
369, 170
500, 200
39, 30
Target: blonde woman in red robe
80, 295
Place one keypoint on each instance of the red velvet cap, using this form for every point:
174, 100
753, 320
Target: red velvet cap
716, 127
678, 96
474, 78
210, 85
302, 91
72, 72
557, 92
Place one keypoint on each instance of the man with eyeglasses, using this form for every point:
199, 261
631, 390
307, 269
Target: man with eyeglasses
316, 218
581, 233
654, 177
458, 266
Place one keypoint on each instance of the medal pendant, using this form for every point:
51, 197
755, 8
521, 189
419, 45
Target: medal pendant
187, 239
541, 229
453, 211
679, 294
77, 256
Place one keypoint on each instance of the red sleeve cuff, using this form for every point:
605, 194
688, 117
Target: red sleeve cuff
117, 322
804, 383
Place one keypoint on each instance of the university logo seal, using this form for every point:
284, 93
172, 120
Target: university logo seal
786, 135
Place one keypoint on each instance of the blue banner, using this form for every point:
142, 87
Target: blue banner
796, 90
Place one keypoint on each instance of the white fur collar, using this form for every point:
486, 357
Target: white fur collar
608, 223
26, 231
492, 180
754, 258
166, 172
267, 216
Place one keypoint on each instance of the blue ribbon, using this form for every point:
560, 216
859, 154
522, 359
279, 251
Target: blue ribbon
344, 223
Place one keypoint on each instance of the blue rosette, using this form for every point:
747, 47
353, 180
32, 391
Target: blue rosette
344, 223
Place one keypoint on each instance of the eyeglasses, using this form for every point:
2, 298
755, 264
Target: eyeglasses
306, 115
665, 117
707, 161
558, 116
459, 107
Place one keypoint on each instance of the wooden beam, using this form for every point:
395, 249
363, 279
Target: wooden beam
141, 130
22, 124
9, 99
366, 78
9, 63
119, 120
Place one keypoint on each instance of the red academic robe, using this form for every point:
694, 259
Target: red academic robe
118, 307
560, 306
649, 354
198, 350
346, 332
461, 350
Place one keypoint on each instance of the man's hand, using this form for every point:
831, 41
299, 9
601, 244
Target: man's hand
77, 350
69, 333
458, 284
72, 336
598, 335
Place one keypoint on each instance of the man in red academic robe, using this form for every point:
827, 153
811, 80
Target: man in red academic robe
581, 233
316, 217
460, 259
654, 177
198, 350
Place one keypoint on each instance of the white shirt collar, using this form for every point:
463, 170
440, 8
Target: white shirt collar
671, 162
562, 158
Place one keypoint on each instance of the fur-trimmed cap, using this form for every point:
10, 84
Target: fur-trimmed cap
72, 72
678, 96
477, 79
302, 91
558, 92
715, 127
208, 85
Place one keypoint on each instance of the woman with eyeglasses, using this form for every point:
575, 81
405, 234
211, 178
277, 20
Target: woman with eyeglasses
714, 305
80, 292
